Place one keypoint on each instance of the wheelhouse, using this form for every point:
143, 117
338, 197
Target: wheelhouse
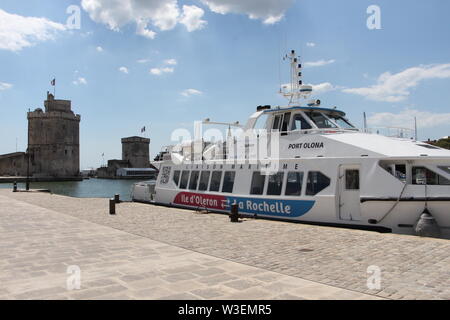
301, 119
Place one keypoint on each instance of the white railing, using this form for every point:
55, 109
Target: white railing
394, 132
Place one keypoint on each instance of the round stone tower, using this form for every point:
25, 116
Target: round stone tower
54, 140
136, 151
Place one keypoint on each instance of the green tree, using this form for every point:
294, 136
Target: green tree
443, 143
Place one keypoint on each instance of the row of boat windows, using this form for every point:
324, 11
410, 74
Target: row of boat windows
419, 175
201, 180
300, 121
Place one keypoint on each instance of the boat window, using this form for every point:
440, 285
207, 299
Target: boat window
428, 146
204, 179
341, 121
176, 177
275, 184
258, 181
184, 179
286, 119
400, 172
261, 122
294, 184
299, 123
228, 181
317, 181
194, 180
445, 168
422, 175
397, 170
276, 122
352, 179
320, 120
215, 181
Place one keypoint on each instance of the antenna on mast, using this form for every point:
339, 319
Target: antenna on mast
297, 89
365, 122
415, 128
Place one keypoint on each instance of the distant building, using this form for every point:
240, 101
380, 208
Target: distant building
13, 164
88, 173
135, 162
136, 150
132, 173
53, 144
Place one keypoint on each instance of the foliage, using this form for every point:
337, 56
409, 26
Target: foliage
443, 143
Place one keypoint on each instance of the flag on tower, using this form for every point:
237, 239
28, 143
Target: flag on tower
53, 82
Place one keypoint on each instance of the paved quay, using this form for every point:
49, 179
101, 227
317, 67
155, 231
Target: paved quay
43, 249
257, 259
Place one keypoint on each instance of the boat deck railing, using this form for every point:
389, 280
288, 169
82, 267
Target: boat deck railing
393, 132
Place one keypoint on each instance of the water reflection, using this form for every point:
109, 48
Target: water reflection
89, 188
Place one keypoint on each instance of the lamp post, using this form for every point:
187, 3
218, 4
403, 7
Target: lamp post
27, 184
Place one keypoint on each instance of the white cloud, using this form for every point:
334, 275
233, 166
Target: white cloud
317, 88
322, 87
191, 92
18, 32
142, 60
405, 118
160, 71
192, 18
99, 49
123, 69
319, 63
141, 29
269, 11
147, 15
170, 62
310, 44
79, 80
5, 86
396, 87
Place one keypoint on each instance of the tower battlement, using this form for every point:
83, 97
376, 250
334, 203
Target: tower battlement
58, 105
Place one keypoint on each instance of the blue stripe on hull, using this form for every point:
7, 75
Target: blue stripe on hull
271, 207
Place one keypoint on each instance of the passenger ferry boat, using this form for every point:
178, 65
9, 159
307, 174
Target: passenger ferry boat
318, 168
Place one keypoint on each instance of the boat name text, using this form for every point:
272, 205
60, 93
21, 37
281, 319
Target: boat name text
306, 145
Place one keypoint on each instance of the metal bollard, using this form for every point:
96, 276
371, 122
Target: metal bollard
234, 215
117, 198
15, 186
112, 206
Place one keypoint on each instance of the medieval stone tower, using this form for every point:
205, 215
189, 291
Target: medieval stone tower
135, 150
54, 139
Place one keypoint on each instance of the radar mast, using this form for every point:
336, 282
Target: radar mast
295, 90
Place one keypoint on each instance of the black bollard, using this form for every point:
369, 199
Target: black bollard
234, 215
112, 206
15, 186
117, 198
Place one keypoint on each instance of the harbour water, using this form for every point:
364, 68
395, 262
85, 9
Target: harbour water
88, 188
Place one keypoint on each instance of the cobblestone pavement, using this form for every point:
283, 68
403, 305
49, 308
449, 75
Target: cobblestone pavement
41, 251
411, 267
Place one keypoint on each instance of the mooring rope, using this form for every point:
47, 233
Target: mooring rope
395, 204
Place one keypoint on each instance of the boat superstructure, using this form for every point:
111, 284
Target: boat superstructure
307, 163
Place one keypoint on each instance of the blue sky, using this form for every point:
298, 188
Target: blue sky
125, 69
